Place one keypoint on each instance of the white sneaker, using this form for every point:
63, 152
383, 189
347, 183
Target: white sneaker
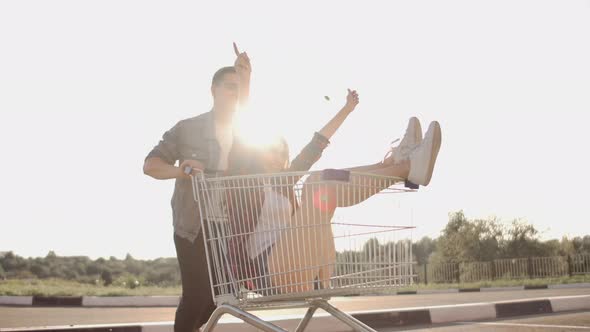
423, 158
412, 138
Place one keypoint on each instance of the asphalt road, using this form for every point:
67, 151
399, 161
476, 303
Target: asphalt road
578, 321
12, 317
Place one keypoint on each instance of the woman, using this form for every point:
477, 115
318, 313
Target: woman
266, 255
309, 228
245, 205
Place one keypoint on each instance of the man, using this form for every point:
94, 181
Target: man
203, 143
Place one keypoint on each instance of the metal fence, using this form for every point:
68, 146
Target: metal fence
475, 271
579, 264
376, 265
514, 268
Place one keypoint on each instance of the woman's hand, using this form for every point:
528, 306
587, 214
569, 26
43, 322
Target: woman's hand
352, 99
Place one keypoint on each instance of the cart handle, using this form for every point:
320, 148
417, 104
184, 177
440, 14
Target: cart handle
188, 171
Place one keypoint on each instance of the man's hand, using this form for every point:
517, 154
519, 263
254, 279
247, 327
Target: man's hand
242, 63
195, 166
352, 99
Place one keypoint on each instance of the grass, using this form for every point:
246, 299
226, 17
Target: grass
500, 283
57, 287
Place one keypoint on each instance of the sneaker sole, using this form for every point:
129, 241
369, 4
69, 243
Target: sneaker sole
435, 148
423, 175
417, 129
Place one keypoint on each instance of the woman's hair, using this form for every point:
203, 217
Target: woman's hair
279, 148
283, 150
251, 159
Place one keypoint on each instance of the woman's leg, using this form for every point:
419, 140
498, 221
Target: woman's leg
306, 250
421, 157
421, 153
304, 253
360, 186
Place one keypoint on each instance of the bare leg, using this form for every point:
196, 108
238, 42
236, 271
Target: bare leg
360, 187
306, 250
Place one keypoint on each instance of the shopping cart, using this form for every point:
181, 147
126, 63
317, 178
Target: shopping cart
272, 241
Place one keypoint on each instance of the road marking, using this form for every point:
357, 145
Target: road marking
529, 325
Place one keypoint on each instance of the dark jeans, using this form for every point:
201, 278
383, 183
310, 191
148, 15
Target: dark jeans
196, 304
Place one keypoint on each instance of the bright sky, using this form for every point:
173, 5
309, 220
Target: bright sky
88, 88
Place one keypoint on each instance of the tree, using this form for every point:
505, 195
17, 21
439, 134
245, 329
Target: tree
577, 245
371, 248
93, 269
107, 277
585, 245
566, 247
40, 270
469, 240
521, 240
14, 263
423, 249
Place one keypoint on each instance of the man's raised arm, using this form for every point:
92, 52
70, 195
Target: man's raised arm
244, 69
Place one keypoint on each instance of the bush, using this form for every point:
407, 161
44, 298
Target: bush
107, 277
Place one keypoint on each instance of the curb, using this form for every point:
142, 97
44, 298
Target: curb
90, 301
172, 301
16, 300
57, 301
463, 312
375, 319
130, 301
566, 286
506, 289
570, 303
438, 291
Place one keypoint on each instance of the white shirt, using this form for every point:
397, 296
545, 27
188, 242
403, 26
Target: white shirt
274, 216
218, 207
225, 137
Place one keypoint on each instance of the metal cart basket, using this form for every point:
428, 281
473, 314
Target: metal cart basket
272, 242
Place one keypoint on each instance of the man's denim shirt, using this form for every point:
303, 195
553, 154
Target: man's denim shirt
195, 139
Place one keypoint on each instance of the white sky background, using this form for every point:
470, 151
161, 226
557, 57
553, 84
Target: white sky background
88, 88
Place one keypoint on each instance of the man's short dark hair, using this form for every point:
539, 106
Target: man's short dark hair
218, 76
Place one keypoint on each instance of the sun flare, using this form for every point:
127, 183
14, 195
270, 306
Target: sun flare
255, 129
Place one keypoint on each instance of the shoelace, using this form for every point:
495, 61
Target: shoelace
391, 148
407, 149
